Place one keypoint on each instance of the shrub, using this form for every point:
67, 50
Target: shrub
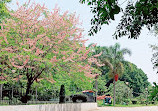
79, 97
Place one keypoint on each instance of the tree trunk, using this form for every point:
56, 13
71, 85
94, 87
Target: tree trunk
1, 91
25, 98
96, 87
114, 92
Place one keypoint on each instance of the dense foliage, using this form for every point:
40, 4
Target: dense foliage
123, 92
136, 15
41, 50
102, 88
136, 78
154, 93
37, 44
4, 13
113, 58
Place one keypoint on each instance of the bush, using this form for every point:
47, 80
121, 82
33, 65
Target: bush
79, 97
127, 101
134, 101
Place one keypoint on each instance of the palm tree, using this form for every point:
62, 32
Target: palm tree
113, 57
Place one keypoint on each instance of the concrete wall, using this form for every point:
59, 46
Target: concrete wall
51, 107
88, 106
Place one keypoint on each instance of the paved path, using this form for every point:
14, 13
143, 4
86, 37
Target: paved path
145, 108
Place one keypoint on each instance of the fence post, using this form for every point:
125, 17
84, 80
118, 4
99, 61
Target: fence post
12, 92
36, 93
96, 87
1, 91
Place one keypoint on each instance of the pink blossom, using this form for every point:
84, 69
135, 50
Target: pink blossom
63, 58
98, 54
54, 39
54, 59
5, 38
38, 51
55, 52
93, 45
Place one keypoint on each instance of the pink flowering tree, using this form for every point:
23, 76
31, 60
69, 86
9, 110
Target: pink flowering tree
34, 41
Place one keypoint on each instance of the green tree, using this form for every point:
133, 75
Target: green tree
102, 89
136, 78
123, 92
154, 93
4, 13
36, 43
113, 58
136, 15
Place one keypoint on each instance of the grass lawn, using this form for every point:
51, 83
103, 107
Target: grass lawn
100, 104
132, 105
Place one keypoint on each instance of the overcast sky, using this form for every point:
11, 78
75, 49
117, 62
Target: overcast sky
141, 52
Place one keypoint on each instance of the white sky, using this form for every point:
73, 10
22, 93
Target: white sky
141, 53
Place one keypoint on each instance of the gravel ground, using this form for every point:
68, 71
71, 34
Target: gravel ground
145, 108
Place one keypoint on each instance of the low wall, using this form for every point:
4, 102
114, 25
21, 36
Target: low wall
88, 106
51, 107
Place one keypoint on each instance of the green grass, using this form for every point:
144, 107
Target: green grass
134, 105
100, 104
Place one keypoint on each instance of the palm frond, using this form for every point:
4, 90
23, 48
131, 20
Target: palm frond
107, 63
126, 51
117, 47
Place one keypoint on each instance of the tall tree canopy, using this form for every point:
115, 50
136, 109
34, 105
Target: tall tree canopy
35, 42
136, 15
113, 57
136, 78
154, 93
123, 92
